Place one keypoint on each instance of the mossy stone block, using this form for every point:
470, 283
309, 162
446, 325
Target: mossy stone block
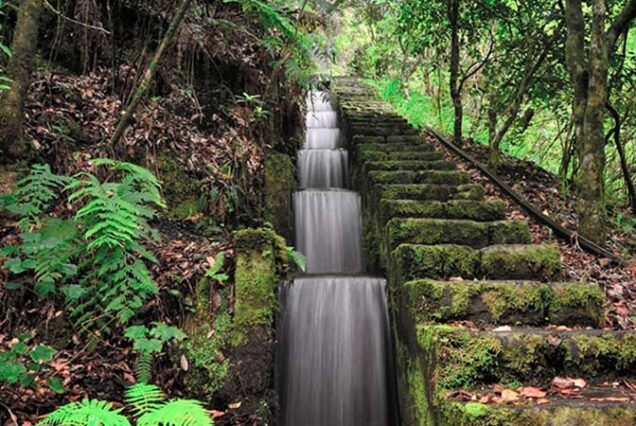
523, 262
439, 261
505, 302
279, 185
452, 209
366, 139
400, 155
411, 138
427, 192
259, 252
409, 165
380, 147
440, 177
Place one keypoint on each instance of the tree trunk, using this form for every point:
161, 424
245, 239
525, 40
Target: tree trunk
493, 158
455, 89
149, 73
629, 183
590, 183
12, 143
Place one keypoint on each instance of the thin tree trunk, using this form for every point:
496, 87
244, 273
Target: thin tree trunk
455, 91
12, 143
629, 183
150, 72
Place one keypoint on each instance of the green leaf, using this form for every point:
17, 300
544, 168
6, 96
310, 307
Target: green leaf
42, 354
56, 385
11, 371
20, 348
149, 346
135, 332
166, 332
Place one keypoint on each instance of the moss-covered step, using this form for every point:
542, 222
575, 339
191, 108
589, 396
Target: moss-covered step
400, 155
365, 146
466, 359
389, 130
504, 302
452, 231
408, 165
481, 211
515, 262
430, 192
560, 413
440, 177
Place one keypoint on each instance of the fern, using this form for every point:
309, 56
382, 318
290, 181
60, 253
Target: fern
87, 412
35, 193
297, 258
146, 402
144, 398
178, 412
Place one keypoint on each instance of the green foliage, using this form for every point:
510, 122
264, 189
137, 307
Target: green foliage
147, 403
297, 258
4, 51
214, 272
23, 364
149, 342
98, 258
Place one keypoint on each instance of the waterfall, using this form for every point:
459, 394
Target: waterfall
329, 230
334, 353
335, 340
323, 168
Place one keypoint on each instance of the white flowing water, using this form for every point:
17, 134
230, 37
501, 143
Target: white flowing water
323, 168
334, 356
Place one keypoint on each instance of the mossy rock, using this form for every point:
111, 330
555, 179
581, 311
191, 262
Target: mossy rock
387, 130
428, 192
505, 302
409, 165
414, 138
523, 262
451, 231
439, 177
452, 209
531, 356
366, 140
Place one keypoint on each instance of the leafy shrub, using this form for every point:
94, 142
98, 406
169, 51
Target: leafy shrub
96, 259
148, 406
22, 364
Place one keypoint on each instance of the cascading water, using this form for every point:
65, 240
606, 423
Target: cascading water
334, 347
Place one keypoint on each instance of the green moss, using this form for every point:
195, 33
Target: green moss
180, 190
409, 165
279, 184
509, 232
431, 192
383, 147
453, 209
383, 156
204, 348
415, 261
259, 254
521, 262
576, 303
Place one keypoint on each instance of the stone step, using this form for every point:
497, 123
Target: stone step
440, 177
597, 406
396, 130
412, 165
504, 302
363, 145
430, 192
527, 355
481, 211
453, 231
513, 262
416, 141
400, 155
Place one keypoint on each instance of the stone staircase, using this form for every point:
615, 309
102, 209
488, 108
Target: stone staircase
453, 259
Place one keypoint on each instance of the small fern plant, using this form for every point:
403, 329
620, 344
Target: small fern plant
149, 342
97, 258
146, 403
297, 258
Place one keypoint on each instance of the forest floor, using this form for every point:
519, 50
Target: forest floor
541, 189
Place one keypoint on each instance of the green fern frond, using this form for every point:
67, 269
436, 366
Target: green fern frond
36, 191
86, 413
144, 367
143, 398
297, 258
181, 412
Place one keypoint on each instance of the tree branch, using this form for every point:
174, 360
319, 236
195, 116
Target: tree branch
621, 22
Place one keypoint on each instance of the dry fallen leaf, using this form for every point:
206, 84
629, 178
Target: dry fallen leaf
235, 405
532, 392
508, 395
184, 363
